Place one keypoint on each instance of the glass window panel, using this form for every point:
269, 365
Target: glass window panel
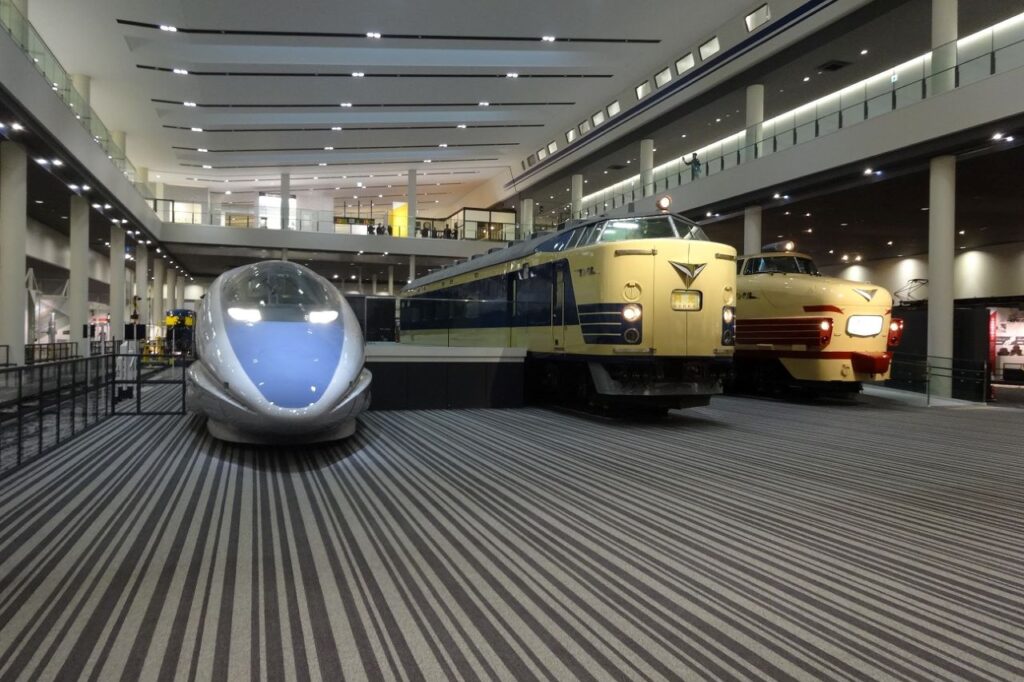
613, 108
684, 64
663, 77
597, 118
643, 90
708, 49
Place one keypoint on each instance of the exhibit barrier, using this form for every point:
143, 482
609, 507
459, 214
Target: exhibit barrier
43, 406
940, 377
38, 353
149, 385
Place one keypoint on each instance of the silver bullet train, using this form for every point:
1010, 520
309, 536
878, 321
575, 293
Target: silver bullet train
279, 357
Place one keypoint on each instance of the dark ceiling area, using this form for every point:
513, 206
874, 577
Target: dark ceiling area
863, 219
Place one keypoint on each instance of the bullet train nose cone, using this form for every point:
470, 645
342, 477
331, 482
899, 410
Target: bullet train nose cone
289, 362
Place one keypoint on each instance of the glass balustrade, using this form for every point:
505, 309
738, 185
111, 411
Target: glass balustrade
26, 37
982, 55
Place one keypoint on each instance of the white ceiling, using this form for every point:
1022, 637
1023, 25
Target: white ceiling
94, 43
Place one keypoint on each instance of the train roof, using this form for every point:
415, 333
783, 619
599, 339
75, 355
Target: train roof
771, 254
513, 251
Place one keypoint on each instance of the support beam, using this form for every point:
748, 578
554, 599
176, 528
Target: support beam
412, 267
945, 31
78, 278
941, 249
286, 192
172, 288
752, 229
754, 120
526, 212
646, 167
576, 194
117, 288
142, 282
411, 200
159, 277
391, 280
13, 233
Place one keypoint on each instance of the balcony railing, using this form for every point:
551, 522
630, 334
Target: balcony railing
61, 82
989, 52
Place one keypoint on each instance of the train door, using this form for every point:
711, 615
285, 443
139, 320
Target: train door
558, 308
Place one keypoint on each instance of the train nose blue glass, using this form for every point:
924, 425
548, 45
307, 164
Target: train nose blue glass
291, 363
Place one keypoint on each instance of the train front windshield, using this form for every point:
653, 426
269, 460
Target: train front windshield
656, 227
790, 265
280, 292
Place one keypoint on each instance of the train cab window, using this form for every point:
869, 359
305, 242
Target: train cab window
659, 227
785, 264
590, 234
279, 291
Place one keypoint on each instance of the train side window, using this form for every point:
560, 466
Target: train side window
739, 267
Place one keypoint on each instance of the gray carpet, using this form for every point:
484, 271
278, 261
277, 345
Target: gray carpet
747, 540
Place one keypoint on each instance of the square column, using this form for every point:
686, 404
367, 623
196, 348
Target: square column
576, 194
526, 218
172, 288
646, 167
412, 267
13, 233
142, 282
286, 191
117, 288
941, 249
752, 229
411, 200
159, 275
391, 280
78, 279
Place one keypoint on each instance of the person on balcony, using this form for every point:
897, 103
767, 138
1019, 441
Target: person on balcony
694, 164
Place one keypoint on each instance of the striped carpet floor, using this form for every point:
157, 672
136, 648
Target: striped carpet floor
873, 542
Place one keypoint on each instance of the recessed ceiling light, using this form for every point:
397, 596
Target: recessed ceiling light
171, 29
73, 188
321, 164
197, 130
373, 34
831, 251
202, 150
962, 232
227, 191
443, 145
776, 196
806, 78
207, 167
461, 125
426, 161
485, 104
180, 72
548, 39
86, 188
57, 162
358, 74
868, 171
889, 243
511, 74
42, 162
188, 104
857, 258
39, 201
346, 104
863, 52
328, 149
335, 128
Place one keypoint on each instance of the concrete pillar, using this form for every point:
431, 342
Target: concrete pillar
941, 236
647, 167
159, 275
373, 284
391, 280
754, 119
78, 278
120, 140
576, 194
172, 287
526, 218
142, 181
752, 229
286, 192
117, 289
945, 31
411, 199
83, 86
142, 282
412, 267
180, 296
13, 232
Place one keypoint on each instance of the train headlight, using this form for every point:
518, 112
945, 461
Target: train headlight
728, 326
245, 314
686, 300
727, 315
323, 316
631, 312
864, 325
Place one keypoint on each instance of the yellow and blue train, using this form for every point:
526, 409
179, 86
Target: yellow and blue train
636, 311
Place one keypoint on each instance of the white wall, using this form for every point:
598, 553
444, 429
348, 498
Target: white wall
978, 273
46, 244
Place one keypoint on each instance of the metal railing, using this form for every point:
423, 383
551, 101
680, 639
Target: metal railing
44, 406
38, 353
990, 52
940, 377
61, 82
5, 355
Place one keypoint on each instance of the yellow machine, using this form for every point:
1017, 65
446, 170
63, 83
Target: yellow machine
627, 310
795, 327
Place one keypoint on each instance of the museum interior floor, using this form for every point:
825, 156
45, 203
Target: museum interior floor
749, 539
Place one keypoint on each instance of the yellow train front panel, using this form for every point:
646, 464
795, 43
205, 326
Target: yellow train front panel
821, 329
626, 306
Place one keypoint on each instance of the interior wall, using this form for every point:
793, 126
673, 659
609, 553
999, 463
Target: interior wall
46, 244
978, 273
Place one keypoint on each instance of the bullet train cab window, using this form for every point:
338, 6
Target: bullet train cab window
790, 265
279, 292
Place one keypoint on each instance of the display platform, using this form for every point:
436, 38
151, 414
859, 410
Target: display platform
411, 377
